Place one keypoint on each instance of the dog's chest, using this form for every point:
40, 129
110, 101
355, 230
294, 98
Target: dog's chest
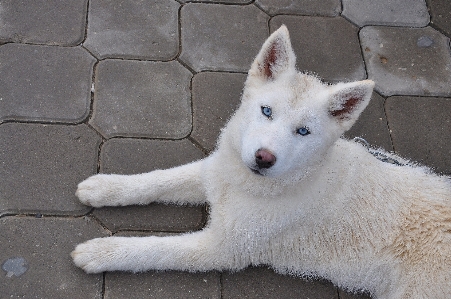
257, 220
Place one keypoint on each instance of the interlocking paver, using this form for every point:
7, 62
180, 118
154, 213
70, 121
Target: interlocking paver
328, 47
440, 11
409, 13
128, 156
154, 217
304, 7
133, 29
42, 247
372, 125
228, 43
407, 61
420, 128
131, 156
215, 98
41, 166
142, 99
264, 283
51, 22
45, 83
170, 284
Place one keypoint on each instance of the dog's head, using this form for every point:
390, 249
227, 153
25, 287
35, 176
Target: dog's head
288, 120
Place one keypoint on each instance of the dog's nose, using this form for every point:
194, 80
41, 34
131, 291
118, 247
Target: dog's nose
264, 158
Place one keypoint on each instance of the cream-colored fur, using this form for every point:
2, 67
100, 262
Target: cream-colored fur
317, 205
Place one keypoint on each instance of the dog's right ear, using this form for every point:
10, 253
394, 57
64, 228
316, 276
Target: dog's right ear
275, 57
347, 101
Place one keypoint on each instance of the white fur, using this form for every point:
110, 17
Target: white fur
326, 208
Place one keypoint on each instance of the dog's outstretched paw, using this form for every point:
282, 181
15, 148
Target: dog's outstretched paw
93, 256
99, 190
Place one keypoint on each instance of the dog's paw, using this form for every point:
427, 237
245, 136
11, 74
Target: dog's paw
95, 256
100, 190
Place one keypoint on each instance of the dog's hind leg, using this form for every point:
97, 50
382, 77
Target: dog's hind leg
179, 185
189, 252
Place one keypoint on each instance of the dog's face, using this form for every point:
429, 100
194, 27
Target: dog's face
283, 131
289, 120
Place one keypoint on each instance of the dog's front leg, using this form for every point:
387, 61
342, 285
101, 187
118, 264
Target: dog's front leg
189, 252
179, 185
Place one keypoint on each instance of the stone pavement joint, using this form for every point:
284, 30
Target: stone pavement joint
440, 11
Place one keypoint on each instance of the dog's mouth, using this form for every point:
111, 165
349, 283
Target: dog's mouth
256, 171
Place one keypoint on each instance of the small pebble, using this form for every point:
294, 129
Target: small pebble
424, 42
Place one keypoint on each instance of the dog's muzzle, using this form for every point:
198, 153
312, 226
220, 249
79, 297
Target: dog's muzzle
264, 159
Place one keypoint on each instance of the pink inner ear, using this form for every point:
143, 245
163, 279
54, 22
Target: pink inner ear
269, 61
347, 107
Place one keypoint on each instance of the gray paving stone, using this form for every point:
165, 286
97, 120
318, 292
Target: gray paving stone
142, 99
328, 47
128, 156
44, 246
131, 156
45, 83
407, 61
221, 37
372, 125
421, 129
264, 283
50, 22
408, 13
301, 7
133, 29
170, 284
215, 97
41, 165
152, 217
440, 11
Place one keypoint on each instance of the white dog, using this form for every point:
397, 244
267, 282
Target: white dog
285, 190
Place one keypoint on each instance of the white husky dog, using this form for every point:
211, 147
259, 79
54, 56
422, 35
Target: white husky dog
285, 190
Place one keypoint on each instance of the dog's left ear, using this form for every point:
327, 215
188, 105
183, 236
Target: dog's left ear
348, 100
275, 57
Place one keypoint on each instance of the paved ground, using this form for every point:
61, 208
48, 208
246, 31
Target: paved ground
130, 86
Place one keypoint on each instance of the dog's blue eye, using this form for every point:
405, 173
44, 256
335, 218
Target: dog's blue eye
267, 111
303, 131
